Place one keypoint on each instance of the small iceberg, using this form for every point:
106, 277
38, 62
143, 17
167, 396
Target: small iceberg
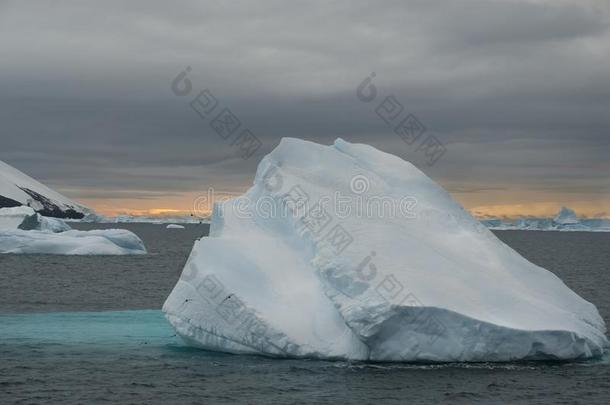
24, 231
13, 217
565, 220
95, 242
25, 218
566, 216
346, 252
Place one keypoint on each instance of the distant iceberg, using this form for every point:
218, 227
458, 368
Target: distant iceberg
95, 242
565, 220
25, 218
315, 260
12, 218
24, 231
566, 216
143, 219
38, 222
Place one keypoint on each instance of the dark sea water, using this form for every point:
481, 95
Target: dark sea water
89, 330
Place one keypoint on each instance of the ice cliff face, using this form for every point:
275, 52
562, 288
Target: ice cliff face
17, 189
344, 251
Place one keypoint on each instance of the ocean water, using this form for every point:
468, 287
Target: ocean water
89, 330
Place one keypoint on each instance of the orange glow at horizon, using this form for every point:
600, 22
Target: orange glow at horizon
481, 205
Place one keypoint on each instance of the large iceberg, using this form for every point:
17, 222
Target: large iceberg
347, 252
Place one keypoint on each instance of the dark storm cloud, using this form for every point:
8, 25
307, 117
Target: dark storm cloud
519, 91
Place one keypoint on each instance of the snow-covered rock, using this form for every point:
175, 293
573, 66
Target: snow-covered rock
306, 264
174, 226
95, 242
566, 216
17, 189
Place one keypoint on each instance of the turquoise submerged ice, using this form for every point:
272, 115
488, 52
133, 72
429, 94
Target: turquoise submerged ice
101, 330
396, 271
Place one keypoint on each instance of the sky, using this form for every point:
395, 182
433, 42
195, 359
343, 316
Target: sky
517, 93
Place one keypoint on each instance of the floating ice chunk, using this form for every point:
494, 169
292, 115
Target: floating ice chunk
11, 218
27, 219
344, 251
38, 222
565, 220
96, 242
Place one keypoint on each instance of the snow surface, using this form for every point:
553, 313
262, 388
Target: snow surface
95, 242
14, 187
433, 286
174, 226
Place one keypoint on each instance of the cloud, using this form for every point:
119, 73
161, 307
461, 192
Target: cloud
517, 90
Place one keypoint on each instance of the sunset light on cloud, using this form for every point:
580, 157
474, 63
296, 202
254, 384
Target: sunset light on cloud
481, 205
521, 111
